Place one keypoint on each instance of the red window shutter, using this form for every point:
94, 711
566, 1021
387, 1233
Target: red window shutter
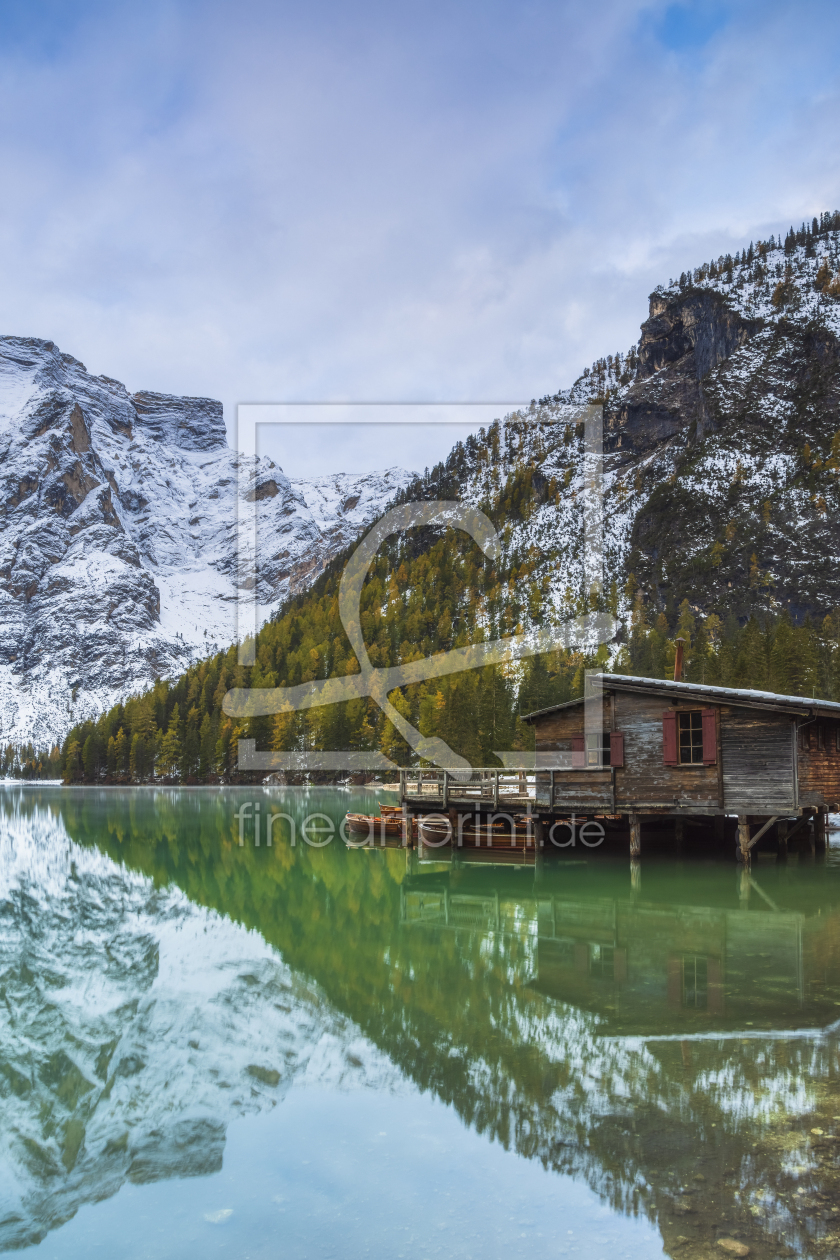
709, 738
669, 738
578, 752
616, 748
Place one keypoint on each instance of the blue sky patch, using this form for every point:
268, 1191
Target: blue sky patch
686, 26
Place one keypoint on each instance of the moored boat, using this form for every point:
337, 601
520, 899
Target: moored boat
378, 828
439, 833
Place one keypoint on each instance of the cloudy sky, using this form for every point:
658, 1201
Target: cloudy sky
412, 201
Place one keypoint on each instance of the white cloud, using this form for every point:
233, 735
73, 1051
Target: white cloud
268, 202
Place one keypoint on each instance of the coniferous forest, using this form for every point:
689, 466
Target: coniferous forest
179, 732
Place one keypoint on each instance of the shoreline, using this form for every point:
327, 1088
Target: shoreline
199, 787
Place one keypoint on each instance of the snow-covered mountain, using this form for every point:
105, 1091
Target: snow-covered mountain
118, 536
135, 1027
721, 450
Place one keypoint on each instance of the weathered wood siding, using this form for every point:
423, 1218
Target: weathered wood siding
819, 764
754, 772
554, 731
757, 754
645, 779
584, 790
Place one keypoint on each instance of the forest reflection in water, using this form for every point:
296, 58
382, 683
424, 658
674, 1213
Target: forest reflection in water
671, 1043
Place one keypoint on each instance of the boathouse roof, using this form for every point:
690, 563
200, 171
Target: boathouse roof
739, 696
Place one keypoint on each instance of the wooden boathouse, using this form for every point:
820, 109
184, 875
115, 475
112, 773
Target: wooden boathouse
661, 749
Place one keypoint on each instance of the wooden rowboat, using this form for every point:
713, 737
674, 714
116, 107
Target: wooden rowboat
437, 834
370, 825
388, 827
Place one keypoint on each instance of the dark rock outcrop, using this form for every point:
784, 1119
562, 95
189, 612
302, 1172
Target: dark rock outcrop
193, 424
698, 330
683, 340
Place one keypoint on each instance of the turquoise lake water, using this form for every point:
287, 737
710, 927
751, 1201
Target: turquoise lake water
212, 1048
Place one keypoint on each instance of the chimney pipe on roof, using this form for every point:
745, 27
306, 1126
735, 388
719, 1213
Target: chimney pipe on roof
678, 661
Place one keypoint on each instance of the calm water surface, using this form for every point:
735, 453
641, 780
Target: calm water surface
212, 1049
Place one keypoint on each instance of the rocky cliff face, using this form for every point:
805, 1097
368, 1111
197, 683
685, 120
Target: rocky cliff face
728, 439
118, 541
682, 342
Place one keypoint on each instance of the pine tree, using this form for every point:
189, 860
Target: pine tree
140, 757
537, 690
206, 748
171, 748
751, 664
191, 749
782, 658
90, 756
698, 664
806, 674
73, 767
391, 742
225, 747
121, 751
687, 624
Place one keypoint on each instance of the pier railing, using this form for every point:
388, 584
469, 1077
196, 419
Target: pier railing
489, 787
477, 786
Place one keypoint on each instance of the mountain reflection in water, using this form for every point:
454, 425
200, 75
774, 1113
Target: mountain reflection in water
672, 1044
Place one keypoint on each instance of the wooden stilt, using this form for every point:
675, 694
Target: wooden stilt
635, 876
539, 846
456, 839
679, 832
635, 836
806, 839
719, 828
743, 850
782, 839
819, 829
